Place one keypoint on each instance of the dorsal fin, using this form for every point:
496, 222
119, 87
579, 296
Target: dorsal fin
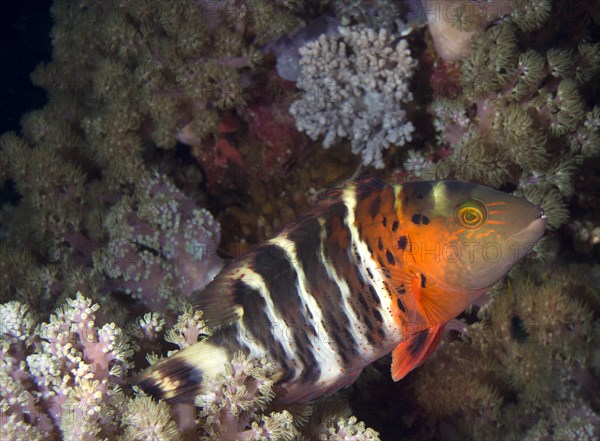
367, 184
413, 351
218, 300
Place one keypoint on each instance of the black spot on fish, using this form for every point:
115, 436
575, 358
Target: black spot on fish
369, 325
417, 343
395, 226
370, 273
400, 305
380, 244
416, 219
390, 258
255, 319
385, 221
424, 219
375, 206
402, 242
400, 290
423, 280
240, 290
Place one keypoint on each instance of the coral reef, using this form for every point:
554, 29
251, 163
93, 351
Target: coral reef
521, 117
62, 376
287, 49
454, 24
355, 86
533, 343
376, 14
158, 113
65, 378
161, 247
523, 367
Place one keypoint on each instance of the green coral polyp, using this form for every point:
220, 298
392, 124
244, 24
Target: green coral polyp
530, 15
517, 382
494, 57
529, 112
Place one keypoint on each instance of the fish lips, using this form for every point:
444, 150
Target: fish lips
480, 264
525, 239
508, 254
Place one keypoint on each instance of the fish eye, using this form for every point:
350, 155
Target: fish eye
471, 214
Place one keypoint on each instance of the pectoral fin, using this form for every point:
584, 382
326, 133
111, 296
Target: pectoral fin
413, 351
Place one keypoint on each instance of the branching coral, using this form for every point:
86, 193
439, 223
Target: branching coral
349, 429
374, 13
154, 69
231, 399
355, 86
66, 377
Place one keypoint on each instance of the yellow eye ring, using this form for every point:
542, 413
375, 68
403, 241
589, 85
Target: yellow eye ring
471, 214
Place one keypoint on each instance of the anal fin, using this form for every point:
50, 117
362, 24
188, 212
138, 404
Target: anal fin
220, 300
413, 351
179, 378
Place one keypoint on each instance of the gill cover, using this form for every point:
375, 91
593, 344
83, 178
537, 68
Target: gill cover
466, 236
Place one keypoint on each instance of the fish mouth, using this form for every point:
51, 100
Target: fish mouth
528, 236
515, 248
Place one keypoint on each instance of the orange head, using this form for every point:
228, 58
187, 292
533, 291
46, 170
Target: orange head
465, 236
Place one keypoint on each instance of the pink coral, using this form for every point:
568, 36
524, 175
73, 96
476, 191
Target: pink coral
162, 245
65, 378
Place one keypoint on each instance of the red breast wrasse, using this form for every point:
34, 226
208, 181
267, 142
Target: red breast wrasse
371, 269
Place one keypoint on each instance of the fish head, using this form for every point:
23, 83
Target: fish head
465, 237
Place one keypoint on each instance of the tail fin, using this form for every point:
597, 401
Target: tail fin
179, 378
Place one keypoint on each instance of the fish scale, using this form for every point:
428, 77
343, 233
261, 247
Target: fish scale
360, 275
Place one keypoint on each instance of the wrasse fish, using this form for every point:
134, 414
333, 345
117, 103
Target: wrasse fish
372, 269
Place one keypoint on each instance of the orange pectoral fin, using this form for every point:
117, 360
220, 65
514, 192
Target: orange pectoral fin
427, 305
412, 352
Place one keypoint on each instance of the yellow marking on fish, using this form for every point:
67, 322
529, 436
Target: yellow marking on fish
479, 236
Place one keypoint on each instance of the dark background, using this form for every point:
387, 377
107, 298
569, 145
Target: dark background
24, 43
